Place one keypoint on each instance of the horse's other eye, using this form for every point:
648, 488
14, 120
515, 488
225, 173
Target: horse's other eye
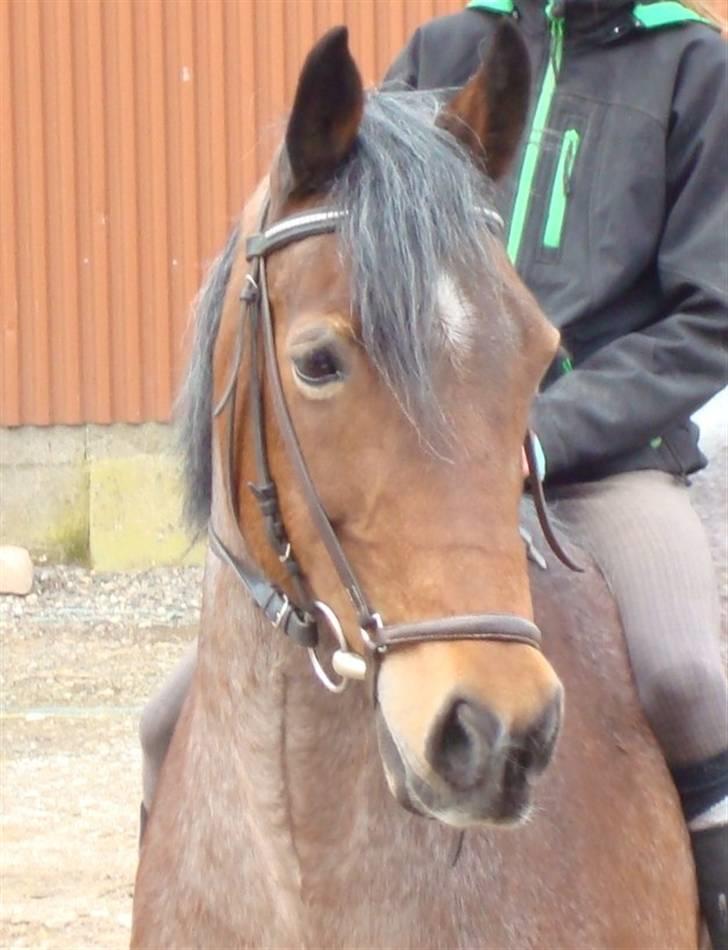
318, 367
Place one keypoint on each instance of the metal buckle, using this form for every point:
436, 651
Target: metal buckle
368, 642
347, 664
282, 613
250, 290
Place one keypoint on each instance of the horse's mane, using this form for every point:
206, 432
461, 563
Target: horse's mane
413, 196
194, 403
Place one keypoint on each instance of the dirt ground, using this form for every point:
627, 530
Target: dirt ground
70, 779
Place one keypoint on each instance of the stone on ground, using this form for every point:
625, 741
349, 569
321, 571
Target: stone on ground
16, 570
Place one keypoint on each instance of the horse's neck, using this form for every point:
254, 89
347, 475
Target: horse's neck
235, 745
306, 766
277, 750
320, 830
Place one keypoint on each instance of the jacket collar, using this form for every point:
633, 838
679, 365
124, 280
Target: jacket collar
591, 21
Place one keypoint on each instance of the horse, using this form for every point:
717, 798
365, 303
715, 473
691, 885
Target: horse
353, 419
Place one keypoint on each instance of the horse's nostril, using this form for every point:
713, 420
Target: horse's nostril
455, 740
461, 743
540, 740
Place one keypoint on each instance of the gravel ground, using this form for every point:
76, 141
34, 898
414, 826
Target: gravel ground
80, 656
157, 597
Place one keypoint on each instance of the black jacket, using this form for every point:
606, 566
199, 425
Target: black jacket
623, 211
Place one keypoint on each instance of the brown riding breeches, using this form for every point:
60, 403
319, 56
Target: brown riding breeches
641, 529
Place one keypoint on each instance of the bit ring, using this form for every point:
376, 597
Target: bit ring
334, 625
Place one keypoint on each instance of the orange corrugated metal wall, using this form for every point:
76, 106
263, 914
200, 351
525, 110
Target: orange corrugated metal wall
131, 132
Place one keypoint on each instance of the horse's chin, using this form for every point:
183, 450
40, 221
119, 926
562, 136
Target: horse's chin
418, 796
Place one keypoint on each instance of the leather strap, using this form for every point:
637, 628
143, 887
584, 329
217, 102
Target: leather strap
506, 627
278, 609
539, 499
294, 228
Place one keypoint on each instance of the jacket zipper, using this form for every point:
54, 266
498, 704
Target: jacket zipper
560, 189
533, 147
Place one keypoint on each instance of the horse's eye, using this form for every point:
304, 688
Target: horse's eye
318, 367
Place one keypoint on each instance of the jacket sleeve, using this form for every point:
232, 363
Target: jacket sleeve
404, 71
634, 388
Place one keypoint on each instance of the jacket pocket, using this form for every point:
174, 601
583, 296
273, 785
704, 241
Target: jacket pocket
561, 189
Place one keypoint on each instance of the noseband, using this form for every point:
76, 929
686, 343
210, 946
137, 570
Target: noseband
301, 616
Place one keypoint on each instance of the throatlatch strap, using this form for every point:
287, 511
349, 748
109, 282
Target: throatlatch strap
278, 609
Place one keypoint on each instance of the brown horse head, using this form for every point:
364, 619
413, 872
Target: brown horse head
409, 353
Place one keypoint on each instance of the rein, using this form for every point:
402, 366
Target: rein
301, 618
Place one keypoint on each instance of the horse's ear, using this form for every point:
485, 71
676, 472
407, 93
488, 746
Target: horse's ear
326, 112
489, 112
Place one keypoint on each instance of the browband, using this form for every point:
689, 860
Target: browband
312, 223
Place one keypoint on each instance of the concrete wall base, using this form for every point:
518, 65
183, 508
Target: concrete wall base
107, 496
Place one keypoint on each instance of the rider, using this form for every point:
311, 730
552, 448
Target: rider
616, 220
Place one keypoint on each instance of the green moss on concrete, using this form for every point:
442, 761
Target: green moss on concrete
135, 520
108, 496
44, 508
68, 540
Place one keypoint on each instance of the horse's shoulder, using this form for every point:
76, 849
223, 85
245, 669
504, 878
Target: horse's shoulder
579, 618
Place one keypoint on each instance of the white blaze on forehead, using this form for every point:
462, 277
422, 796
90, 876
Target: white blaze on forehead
456, 313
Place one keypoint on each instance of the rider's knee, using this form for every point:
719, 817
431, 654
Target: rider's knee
679, 688
682, 702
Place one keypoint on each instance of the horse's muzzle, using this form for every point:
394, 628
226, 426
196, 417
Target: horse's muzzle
476, 771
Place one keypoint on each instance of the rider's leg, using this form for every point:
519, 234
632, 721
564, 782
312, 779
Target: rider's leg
643, 532
158, 720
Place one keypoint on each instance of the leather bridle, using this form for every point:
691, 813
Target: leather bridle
300, 616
